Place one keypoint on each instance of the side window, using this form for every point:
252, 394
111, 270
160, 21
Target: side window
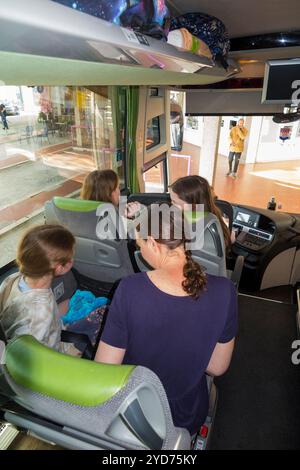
186, 136
153, 133
155, 177
176, 126
54, 137
153, 139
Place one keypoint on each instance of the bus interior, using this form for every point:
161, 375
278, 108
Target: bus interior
91, 96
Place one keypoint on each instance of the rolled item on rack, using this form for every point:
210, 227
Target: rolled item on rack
184, 40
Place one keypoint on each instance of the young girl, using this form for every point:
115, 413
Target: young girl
175, 320
196, 190
103, 185
27, 303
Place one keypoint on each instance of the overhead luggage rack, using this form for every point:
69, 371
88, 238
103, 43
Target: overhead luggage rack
45, 29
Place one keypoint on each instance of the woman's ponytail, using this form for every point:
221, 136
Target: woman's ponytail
195, 279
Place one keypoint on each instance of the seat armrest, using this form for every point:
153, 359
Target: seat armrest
82, 340
237, 272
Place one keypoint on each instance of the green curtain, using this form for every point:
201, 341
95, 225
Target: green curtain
132, 101
117, 95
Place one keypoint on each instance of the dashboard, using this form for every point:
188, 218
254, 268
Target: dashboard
254, 230
261, 236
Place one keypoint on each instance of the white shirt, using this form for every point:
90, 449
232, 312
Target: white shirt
29, 311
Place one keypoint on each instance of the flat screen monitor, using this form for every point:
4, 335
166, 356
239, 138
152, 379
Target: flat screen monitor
282, 82
242, 217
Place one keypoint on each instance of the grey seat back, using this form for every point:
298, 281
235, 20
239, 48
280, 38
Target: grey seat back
97, 257
211, 255
226, 210
81, 404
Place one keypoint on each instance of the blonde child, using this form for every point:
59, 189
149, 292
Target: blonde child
27, 303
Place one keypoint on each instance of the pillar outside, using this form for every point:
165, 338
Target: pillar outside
254, 125
77, 127
210, 146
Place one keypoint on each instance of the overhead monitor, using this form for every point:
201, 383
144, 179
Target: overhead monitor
282, 82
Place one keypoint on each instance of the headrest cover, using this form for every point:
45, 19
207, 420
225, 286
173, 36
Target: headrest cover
75, 205
71, 379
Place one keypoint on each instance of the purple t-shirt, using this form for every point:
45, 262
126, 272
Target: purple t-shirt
174, 337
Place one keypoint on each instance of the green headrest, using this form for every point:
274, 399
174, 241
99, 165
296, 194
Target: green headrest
193, 216
75, 205
71, 379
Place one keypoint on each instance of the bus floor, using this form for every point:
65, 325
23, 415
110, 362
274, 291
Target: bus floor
286, 294
259, 406
26, 442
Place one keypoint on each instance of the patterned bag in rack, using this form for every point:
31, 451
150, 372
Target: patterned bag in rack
149, 17
209, 29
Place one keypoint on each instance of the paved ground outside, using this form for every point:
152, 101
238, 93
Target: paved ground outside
9, 241
256, 183
32, 171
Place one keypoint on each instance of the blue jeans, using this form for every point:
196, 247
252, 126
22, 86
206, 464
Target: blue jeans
236, 157
4, 122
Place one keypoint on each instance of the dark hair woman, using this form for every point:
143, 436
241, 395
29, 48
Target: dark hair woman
196, 190
175, 320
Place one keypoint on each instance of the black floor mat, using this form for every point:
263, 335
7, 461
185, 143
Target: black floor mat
259, 396
281, 293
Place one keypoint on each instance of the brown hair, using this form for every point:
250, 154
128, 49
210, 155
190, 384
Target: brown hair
42, 246
196, 190
169, 229
99, 185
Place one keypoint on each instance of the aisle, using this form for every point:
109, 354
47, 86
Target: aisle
259, 406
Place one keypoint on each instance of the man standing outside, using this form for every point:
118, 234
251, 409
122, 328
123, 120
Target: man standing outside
237, 138
3, 115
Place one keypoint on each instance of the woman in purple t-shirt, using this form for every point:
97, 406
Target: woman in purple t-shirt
175, 320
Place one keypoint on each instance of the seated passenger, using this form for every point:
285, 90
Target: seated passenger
27, 303
196, 190
103, 185
175, 320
